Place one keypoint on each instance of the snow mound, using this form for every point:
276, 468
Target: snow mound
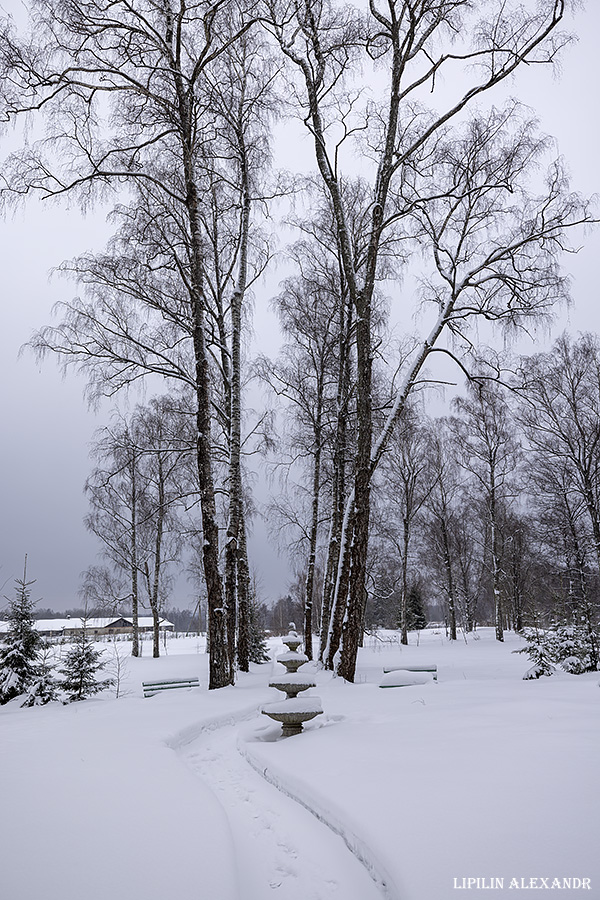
402, 678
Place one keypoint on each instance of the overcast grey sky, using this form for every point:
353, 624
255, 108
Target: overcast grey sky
45, 427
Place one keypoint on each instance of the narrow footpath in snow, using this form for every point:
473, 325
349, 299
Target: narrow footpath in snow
281, 849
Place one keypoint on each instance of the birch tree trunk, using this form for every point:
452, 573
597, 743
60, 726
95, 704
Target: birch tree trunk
135, 646
494, 549
404, 582
585, 606
340, 452
314, 528
235, 547
342, 584
243, 598
450, 589
154, 588
220, 668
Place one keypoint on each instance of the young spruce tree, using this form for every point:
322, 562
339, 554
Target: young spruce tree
44, 687
19, 667
82, 663
257, 646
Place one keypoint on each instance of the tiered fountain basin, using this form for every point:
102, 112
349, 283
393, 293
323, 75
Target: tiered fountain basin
292, 660
292, 683
292, 713
294, 710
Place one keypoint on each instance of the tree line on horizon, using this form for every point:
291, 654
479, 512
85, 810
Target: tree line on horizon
171, 114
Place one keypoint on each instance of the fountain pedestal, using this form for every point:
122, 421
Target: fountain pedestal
294, 710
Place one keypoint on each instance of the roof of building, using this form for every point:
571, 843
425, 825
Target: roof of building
76, 623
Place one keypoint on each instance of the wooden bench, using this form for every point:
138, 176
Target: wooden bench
151, 688
417, 669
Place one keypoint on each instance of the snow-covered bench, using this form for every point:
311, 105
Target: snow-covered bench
154, 687
405, 676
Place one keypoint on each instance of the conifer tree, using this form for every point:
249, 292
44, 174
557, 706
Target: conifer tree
416, 612
257, 646
44, 687
82, 662
19, 666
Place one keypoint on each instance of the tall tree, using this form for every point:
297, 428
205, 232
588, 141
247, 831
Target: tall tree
163, 449
490, 259
442, 503
490, 453
134, 493
316, 375
311, 309
126, 89
113, 491
561, 416
243, 97
408, 484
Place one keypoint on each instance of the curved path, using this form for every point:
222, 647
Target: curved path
281, 849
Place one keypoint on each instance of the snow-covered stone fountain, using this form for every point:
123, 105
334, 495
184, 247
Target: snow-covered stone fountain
294, 710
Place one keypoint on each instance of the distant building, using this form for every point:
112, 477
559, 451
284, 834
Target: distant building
58, 628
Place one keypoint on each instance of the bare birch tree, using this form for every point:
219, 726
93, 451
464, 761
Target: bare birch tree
442, 506
243, 97
490, 451
310, 376
162, 446
406, 146
560, 416
128, 91
409, 481
113, 490
134, 493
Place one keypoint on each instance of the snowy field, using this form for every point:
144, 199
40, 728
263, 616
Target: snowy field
405, 793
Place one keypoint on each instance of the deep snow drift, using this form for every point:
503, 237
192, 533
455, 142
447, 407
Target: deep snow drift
403, 793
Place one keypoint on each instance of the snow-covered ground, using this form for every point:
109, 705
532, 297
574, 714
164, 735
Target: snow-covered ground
404, 793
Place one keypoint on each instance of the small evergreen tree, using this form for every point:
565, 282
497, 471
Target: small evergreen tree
257, 646
82, 662
568, 646
19, 666
44, 687
538, 652
416, 614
